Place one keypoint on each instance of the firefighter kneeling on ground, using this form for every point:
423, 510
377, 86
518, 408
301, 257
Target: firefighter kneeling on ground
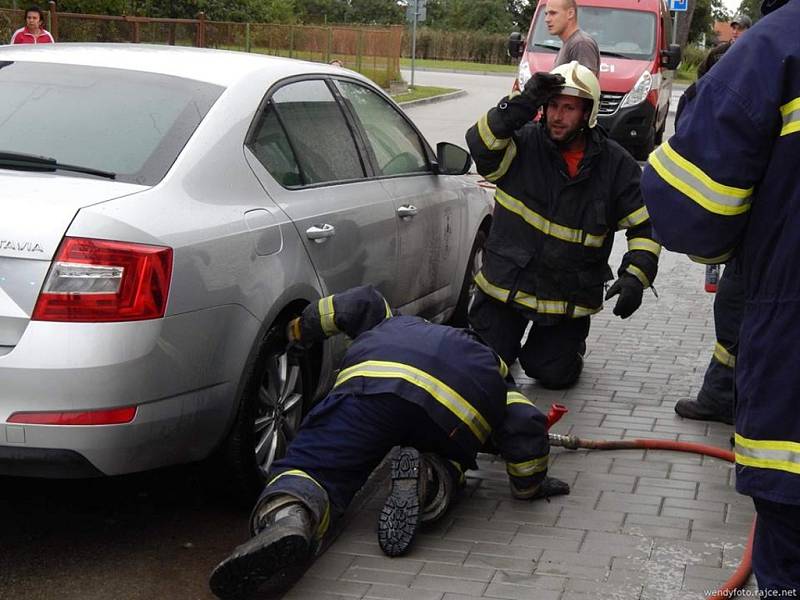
563, 190
437, 391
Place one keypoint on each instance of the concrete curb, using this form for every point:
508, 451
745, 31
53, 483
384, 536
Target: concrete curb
434, 99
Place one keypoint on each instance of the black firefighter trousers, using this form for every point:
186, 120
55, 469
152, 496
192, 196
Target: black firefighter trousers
552, 354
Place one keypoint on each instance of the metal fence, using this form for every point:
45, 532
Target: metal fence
375, 52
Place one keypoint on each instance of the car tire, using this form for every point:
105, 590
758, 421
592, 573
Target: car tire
460, 317
277, 395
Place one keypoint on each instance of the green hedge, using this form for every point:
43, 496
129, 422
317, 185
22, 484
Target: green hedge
472, 46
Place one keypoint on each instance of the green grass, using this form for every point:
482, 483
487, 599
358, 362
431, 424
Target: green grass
457, 65
687, 75
421, 91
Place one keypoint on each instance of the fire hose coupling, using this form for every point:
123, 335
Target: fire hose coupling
556, 412
565, 441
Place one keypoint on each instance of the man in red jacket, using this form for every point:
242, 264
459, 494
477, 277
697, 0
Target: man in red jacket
33, 32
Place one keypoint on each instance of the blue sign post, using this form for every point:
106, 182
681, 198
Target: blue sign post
677, 6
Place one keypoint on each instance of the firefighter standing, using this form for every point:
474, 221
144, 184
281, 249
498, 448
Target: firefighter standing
563, 190
727, 182
403, 381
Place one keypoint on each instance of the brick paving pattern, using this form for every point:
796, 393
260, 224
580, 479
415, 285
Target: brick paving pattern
638, 525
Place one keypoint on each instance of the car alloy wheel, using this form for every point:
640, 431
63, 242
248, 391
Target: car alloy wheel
278, 409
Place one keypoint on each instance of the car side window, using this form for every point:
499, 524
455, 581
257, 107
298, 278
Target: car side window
271, 147
397, 146
317, 132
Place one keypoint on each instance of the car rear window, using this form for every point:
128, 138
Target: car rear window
129, 123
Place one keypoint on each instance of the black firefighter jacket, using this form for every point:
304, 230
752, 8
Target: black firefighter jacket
547, 253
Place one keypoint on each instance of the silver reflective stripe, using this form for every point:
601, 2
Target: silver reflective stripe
722, 356
690, 180
438, 389
537, 221
791, 117
488, 137
637, 217
768, 454
326, 316
528, 468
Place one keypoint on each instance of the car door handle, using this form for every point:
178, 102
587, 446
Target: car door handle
407, 211
319, 233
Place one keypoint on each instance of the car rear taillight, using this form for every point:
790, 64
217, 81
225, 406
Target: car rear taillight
108, 416
104, 281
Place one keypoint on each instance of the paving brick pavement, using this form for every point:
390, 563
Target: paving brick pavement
639, 525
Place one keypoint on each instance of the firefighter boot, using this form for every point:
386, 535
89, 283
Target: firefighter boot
274, 557
444, 482
550, 486
704, 411
400, 517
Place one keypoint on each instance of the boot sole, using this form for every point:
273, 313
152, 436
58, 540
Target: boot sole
267, 568
399, 519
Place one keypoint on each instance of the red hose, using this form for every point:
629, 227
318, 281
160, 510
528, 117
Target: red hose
742, 572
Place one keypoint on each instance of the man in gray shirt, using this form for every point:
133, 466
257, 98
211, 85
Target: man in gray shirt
561, 18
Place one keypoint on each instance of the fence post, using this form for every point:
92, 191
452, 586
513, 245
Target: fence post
330, 44
247, 41
200, 39
359, 49
291, 41
53, 18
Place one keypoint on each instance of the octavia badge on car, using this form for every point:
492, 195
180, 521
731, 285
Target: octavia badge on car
19, 246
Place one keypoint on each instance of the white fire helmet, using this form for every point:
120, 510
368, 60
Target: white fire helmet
580, 82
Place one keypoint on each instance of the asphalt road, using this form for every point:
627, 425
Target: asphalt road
158, 535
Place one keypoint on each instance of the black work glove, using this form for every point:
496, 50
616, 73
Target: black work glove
541, 87
519, 110
630, 292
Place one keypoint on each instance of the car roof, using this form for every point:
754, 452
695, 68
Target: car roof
220, 67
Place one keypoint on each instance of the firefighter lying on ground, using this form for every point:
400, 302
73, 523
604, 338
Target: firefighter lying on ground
437, 391
563, 190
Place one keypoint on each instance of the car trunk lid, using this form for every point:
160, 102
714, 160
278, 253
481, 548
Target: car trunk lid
37, 211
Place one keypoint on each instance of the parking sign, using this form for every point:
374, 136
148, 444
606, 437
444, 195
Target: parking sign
679, 5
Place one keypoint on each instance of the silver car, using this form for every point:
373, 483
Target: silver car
164, 212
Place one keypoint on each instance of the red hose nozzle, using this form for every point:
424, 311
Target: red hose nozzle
556, 412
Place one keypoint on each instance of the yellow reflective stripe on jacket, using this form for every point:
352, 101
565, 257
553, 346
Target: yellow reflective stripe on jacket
388, 309
645, 244
514, 397
791, 117
637, 217
488, 137
439, 390
461, 476
326, 314
537, 221
508, 157
639, 274
325, 522
690, 180
527, 468
551, 307
713, 260
503, 366
722, 356
768, 454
